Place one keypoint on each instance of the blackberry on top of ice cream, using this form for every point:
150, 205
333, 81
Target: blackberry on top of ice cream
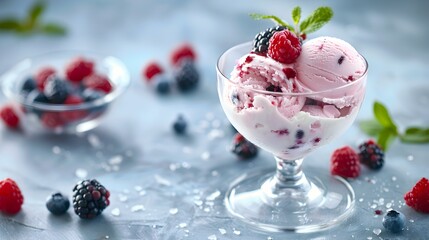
260, 43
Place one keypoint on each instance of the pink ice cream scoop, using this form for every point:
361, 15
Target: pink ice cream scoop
327, 63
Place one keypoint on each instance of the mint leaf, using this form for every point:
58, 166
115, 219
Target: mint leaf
277, 20
385, 138
316, 20
35, 12
296, 15
383, 116
9, 24
53, 29
371, 127
415, 135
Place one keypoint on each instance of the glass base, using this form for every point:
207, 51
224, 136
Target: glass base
260, 200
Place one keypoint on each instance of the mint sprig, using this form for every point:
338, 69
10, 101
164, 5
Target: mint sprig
317, 19
31, 23
386, 131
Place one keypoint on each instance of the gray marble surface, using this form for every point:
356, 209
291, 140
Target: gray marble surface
181, 181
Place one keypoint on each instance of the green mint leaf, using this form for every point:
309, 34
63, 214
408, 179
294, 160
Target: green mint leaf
415, 135
371, 127
383, 116
277, 20
296, 15
386, 137
35, 12
316, 20
53, 29
9, 24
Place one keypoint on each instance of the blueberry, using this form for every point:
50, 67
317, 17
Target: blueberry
394, 221
187, 76
57, 204
180, 125
162, 85
28, 85
299, 134
89, 95
56, 90
35, 97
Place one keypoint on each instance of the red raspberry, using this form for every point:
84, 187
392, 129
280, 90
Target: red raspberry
52, 119
11, 198
9, 117
418, 197
345, 163
42, 76
98, 82
284, 47
78, 69
73, 115
151, 70
182, 51
289, 72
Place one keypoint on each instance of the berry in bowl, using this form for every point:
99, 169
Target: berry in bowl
64, 91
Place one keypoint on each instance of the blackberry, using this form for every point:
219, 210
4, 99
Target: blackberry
90, 198
56, 90
260, 43
28, 85
187, 76
35, 97
57, 204
371, 155
180, 125
394, 221
243, 148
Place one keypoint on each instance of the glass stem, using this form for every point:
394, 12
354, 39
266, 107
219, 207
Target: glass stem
289, 173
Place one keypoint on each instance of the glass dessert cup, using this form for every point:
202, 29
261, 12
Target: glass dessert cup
287, 199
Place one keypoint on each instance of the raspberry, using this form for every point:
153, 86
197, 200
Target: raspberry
284, 47
260, 43
78, 69
371, 155
418, 197
187, 76
73, 115
42, 76
243, 148
90, 198
98, 82
289, 72
151, 70
345, 163
181, 52
57, 204
11, 198
9, 116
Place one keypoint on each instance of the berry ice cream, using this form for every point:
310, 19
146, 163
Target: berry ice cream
290, 97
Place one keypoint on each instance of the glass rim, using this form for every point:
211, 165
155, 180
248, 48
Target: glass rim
18, 98
331, 90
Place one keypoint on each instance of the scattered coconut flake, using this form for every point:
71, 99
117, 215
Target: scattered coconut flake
205, 156
137, 208
115, 160
213, 196
173, 211
162, 180
206, 209
411, 220
116, 212
183, 225
122, 198
236, 232
142, 193
186, 165
222, 231
410, 157
360, 199
389, 205
385, 189
173, 167
56, 150
376, 231
369, 238
211, 204
269, 238
138, 188
212, 237
393, 178
94, 141
198, 202
81, 173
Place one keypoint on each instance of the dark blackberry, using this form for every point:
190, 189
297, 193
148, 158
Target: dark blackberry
56, 90
35, 97
260, 43
180, 125
187, 76
243, 148
90, 198
371, 155
28, 86
57, 204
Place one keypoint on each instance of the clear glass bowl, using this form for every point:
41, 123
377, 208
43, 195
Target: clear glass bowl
282, 124
74, 118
